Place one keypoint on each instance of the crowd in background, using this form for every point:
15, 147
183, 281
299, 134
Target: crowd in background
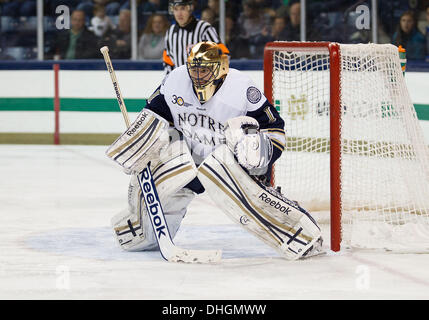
249, 24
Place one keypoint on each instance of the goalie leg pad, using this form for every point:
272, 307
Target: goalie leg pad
277, 221
133, 230
175, 169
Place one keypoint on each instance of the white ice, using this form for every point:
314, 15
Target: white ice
56, 243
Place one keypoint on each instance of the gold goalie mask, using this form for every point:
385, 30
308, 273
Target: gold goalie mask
207, 66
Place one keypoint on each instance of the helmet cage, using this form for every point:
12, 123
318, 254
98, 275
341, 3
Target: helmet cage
207, 68
203, 74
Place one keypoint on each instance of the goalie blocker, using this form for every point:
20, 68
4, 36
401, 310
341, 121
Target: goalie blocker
279, 222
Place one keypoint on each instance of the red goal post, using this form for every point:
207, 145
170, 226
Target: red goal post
335, 107
56, 69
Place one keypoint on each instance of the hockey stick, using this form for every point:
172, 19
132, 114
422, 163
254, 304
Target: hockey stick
168, 250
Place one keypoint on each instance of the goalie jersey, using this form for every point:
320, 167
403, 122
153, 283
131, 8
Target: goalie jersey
202, 125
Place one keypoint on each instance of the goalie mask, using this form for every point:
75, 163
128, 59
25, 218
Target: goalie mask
207, 67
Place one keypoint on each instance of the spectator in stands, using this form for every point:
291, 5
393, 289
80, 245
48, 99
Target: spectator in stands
409, 37
149, 7
272, 4
390, 12
151, 43
252, 20
119, 40
78, 42
427, 30
233, 9
268, 7
143, 6
112, 6
51, 5
207, 14
292, 31
252, 23
197, 4
214, 5
277, 32
315, 8
154, 6
100, 22
278, 29
18, 8
3, 55
237, 45
426, 15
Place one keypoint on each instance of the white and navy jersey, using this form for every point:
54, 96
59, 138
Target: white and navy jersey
179, 41
202, 125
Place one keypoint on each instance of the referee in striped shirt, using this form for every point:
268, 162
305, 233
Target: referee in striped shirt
186, 32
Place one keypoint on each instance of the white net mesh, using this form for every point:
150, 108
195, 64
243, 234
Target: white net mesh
385, 161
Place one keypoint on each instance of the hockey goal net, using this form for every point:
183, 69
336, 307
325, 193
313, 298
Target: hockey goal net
355, 155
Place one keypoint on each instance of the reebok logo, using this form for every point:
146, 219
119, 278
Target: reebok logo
137, 124
152, 204
274, 203
244, 220
118, 95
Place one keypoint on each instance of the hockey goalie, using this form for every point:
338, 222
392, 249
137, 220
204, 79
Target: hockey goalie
208, 128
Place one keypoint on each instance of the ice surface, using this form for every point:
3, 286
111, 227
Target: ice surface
56, 243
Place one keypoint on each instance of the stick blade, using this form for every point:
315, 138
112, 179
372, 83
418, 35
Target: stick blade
194, 256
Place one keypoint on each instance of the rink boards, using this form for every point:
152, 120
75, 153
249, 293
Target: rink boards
89, 112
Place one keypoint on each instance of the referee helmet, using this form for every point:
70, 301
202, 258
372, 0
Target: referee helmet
173, 3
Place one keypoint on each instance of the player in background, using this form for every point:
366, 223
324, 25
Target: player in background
226, 136
186, 32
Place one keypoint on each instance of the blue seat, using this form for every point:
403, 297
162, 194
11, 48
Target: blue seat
26, 39
114, 19
8, 24
49, 24
328, 26
351, 19
10, 39
15, 52
30, 53
331, 19
27, 24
